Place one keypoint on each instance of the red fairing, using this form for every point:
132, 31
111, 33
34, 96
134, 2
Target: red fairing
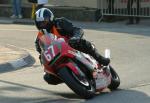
71, 66
57, 47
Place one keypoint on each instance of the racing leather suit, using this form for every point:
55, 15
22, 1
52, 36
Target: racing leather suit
63, 27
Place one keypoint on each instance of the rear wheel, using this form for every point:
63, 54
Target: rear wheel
82, 86
115, 80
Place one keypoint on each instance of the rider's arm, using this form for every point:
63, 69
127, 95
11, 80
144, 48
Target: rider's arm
37, 46
69, 28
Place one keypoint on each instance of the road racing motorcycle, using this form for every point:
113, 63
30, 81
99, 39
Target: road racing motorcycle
79, 71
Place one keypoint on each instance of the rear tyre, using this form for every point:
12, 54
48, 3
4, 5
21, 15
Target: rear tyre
115, 80
85, 88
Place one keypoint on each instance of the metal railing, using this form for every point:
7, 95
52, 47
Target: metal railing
138, 8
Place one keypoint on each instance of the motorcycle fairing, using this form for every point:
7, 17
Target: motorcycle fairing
87, 61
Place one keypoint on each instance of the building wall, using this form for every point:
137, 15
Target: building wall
10, 1
75, 3
5, 1
86, 3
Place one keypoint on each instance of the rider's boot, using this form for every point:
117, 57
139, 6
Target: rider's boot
102, 60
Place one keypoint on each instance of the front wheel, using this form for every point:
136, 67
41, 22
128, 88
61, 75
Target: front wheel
84, 88
115, 80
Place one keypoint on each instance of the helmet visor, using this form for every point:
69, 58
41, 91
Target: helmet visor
42, 24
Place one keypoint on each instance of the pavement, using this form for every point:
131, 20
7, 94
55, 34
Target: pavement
7, 20
12, 58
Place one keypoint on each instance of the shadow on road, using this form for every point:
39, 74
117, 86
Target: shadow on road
12, 92
121, 96
17, 92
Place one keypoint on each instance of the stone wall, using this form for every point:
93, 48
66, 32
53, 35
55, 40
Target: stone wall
10, 1
74, 3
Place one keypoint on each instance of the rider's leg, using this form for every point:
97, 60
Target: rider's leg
86, 47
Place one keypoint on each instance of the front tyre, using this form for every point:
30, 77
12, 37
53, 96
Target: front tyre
85, 88
115, 80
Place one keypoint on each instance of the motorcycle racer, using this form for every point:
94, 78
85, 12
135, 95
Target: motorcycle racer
62, 27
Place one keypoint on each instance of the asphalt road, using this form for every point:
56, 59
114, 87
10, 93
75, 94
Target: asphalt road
130, 51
